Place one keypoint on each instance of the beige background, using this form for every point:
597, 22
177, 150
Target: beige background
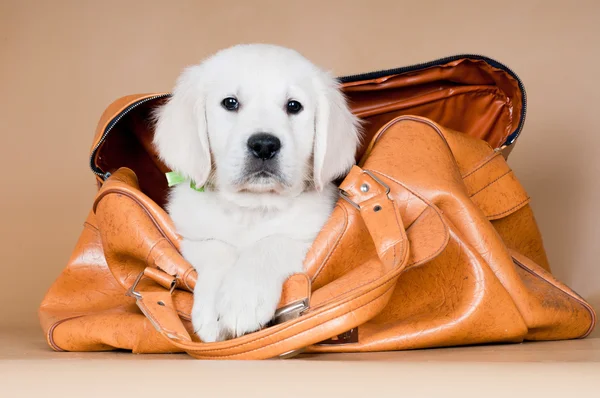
63, 62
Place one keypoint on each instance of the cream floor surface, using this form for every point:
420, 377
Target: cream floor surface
29, 368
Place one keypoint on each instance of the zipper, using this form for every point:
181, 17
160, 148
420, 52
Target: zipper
95, 169
348, 79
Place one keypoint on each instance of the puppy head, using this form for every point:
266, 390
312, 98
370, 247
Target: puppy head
257, 119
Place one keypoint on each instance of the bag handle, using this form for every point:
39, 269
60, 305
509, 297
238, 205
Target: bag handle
334, 309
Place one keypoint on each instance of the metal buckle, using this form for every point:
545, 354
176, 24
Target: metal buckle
131, 292
344, 195
290, 311
287, 313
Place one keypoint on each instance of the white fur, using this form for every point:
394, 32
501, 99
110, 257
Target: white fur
244, 236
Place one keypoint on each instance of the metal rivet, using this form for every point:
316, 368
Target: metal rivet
161, 303
376, 208
364, 188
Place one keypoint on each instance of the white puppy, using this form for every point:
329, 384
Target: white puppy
265, 132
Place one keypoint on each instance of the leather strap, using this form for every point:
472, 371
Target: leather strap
332, 310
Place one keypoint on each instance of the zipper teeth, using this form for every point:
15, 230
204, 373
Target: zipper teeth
110, 126
347, 79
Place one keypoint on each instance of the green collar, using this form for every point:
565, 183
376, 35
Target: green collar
174, 178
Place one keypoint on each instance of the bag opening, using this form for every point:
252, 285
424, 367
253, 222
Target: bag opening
468, 93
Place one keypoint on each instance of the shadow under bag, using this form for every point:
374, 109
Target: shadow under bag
432, 243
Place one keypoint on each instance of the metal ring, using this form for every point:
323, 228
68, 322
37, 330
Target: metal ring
131, 291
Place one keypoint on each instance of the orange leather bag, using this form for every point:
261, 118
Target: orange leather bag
432, 242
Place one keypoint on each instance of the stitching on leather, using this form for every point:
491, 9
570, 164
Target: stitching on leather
50, 336
297, 334
491, 183
335, 245
50, 333
575, 297
511, 209
485, 163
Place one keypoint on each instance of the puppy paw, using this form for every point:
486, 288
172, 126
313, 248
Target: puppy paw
246, 301
204, 319
212, 260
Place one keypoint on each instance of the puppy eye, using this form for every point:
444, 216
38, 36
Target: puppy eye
294, 107
230, 103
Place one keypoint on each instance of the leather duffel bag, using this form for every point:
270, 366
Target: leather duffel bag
432, 243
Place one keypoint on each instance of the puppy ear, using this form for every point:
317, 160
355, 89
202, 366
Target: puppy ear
337, 133
180, 135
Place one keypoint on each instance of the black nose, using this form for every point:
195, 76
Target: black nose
264, 146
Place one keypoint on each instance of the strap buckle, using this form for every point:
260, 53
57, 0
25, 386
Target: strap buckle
344, 195
131, 292
287, 313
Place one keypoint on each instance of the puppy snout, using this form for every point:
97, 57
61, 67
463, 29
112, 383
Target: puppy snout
263, 146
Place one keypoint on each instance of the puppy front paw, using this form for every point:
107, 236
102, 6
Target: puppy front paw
246, 301
212, 260
204, 320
